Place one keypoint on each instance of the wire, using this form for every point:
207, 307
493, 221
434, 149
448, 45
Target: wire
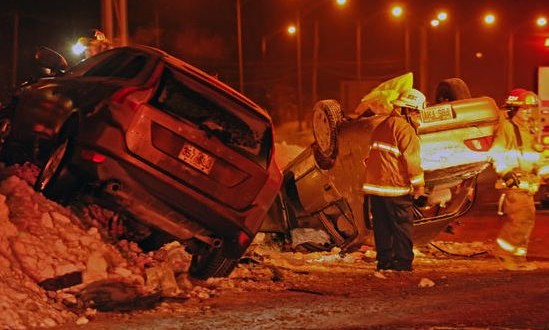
456, 254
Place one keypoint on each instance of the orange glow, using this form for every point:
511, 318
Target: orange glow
292, 29
341, 2
541, 21
435, 23
489, 19
442, 16
397, 11
546, 43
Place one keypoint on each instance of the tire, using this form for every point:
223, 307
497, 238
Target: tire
54, 180
211, 263
327, 115
5, 128
321, 160
5, 131
452, 89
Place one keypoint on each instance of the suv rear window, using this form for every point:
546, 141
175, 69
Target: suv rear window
211, 111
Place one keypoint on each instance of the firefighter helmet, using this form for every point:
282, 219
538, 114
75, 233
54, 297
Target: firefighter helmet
411, 98
93, 35
94, 42
520, 97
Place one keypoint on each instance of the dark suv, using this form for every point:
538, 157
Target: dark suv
157, 140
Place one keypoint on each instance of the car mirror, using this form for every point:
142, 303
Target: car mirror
50, 60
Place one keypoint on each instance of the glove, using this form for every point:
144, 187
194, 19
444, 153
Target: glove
418, 191
421, 201
511, 180
420, 198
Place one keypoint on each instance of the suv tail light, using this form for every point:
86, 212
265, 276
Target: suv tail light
480, 144
243, 239
133, 96
93, 156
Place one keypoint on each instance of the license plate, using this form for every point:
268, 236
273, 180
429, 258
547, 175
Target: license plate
437, 113
196, 158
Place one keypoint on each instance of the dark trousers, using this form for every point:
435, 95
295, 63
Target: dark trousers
393, 219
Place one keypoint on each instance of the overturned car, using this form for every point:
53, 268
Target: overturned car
321, 188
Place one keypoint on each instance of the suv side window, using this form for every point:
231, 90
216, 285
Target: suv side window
122, 65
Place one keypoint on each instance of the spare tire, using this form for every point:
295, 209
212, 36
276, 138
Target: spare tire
327, 115
452, 89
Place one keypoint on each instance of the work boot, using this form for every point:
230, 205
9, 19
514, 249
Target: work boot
384, 265
401, 266
512, 262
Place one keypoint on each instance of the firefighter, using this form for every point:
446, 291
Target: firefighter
94, 43
393, 178
516, 159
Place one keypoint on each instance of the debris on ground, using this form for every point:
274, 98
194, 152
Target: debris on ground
61, 265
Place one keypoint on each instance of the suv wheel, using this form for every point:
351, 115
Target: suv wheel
211, 263
452, 89
5, 130
54, 180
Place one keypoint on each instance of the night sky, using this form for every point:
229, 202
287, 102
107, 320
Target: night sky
204, 33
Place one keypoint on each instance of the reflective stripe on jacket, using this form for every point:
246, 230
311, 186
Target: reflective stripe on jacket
393, 166
517, 154
506, 246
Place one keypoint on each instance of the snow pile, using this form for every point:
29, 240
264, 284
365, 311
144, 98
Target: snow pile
57, 267
48, 250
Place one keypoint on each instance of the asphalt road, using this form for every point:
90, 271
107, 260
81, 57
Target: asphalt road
470, 292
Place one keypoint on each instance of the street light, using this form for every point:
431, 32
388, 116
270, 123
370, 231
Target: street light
290, 30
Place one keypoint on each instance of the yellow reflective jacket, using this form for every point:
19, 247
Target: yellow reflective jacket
515, 150
393, 166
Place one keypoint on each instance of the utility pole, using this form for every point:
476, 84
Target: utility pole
239, 36
15, 49
358, 45
316, 42
423, 61
299, 75
114, 14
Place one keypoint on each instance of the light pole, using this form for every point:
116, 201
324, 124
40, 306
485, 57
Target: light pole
299, 74
239, 40
540, 22
488, 19
359, 50
112, 10
398, 12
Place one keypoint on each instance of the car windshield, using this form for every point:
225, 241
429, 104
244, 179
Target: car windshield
185, 97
